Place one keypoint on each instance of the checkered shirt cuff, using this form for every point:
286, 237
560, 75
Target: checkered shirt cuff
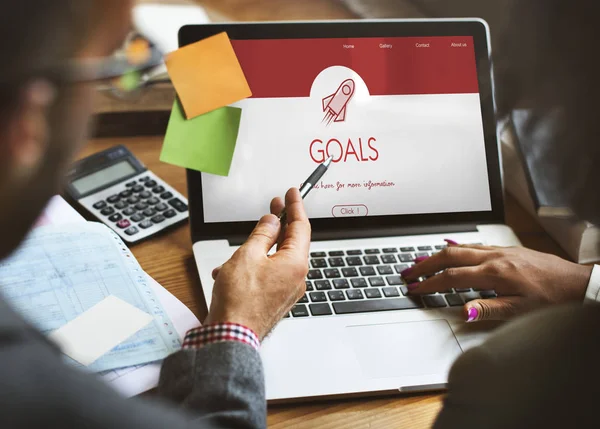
218, 333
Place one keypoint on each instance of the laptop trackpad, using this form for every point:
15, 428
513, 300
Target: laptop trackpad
404, 349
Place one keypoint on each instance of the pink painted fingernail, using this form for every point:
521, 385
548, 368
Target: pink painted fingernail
413, 286
451, 242
406, 272
421, 259
472, 313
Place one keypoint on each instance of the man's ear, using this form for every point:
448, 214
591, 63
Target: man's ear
27, 131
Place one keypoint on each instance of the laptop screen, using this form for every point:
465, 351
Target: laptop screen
401, 117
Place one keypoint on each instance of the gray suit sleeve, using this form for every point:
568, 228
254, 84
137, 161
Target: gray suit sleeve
539, 371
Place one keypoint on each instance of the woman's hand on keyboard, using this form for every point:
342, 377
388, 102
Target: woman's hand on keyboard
257, 290
523, 279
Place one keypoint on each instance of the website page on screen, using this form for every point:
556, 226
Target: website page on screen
400, 116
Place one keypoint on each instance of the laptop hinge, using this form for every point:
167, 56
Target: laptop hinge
379, 232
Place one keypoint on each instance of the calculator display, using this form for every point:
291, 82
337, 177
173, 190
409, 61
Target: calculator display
101, 178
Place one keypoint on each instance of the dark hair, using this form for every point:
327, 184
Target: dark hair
547, 60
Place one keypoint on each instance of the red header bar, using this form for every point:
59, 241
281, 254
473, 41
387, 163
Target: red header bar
389, 66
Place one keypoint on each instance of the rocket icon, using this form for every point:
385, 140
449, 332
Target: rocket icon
335, 105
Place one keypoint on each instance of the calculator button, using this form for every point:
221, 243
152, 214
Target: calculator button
137, 217
137, 188
113, 199
132, 231
158, 190
144, 179
121, 205
108, 211
130, 184
129, 211
145, 194
146, 224
166, 195
149, 212
115, 218
178, 205
153, 201
170, 213
123, 224
133, 200
160, 207
141, 206
158, 219
125, 194
100, 205
150, 184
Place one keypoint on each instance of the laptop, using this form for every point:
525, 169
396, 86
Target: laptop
406, 110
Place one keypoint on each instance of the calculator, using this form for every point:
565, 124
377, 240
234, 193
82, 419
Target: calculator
118, 190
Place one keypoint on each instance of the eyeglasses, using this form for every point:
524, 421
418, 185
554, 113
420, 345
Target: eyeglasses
123, 74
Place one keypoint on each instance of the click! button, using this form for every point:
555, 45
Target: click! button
353, 210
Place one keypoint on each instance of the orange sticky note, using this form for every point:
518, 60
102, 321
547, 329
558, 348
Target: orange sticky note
207, 75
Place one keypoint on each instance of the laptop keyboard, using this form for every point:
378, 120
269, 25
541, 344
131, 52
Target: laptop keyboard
369, 280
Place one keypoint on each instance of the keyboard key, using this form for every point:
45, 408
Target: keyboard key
146, 224
158, 218
320, 309
107, 211
467, 297
372, 293
404, 289
133, 200
487, 294
318, 255
406, 257
169, 213
385, 270
141, 206
434, 301
161, 207
376, 281
354, 261
152, 201
314, 274
358, 282
332, 273
303, 300
394, 280
129, 211
149, 212
349, 272
130, 184
440, 247
166, 195
116, 217
150, 184
371, 260
424, 248
462, 290
145, 194
336, 253
323, 285
336, 262
132, 231
100, 205
309, 286
372, 252
388, 259
367, 271
421, 255
390, 250
318, 263
354, 294
390, 292
318, 297
113, 199
178, 205
158, 190
407, 249
137, 188
121, 205
125, 194
341, 284
123, 224
138, 217
300, 311
454, 300
354, 252
401, 267
336, 295
349, 307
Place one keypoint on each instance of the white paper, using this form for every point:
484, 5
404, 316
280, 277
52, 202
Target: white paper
99, 329
59, 212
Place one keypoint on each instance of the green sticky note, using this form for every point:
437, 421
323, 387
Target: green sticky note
205, 143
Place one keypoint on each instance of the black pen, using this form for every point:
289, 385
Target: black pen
309, 183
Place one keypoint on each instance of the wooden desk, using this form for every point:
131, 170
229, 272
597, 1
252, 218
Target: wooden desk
169, 260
